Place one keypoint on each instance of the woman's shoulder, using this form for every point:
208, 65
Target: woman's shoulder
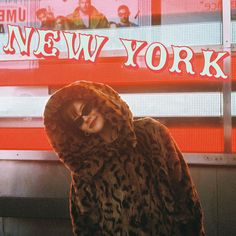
151, 128
148, 123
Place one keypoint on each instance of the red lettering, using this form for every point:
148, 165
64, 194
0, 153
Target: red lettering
21, 14
11, 15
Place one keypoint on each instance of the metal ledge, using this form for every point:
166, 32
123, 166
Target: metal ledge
37, 122
216, 159
28, 155
34, 207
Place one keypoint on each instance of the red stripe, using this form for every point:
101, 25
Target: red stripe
23, 139
234, 140
233, 66
200, 139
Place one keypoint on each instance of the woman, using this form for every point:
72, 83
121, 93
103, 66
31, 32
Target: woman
128, 176
61, 23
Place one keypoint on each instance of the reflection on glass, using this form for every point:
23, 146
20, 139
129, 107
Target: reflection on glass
124, 14
75, 14
189, 11
14, 12
93, 14
46, 17
233, 10
2, 30
87, 14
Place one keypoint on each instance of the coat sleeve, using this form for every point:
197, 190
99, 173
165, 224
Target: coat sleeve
187, 208
104, 22
84, 212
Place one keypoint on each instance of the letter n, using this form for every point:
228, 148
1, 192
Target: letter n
15, 34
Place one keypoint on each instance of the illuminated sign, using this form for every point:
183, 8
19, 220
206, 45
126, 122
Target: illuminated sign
79, 48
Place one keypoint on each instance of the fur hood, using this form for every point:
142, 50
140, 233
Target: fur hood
78, 147
138, 184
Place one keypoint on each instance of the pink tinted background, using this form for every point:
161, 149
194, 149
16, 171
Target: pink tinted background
107, 7
185, 6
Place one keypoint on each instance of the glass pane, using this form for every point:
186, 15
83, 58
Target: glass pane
233, 101
189, 22
191, 106
175, 12
83, 14
190, 11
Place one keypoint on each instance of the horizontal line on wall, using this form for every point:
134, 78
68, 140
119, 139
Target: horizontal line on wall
37, 122
187, 104
191, 158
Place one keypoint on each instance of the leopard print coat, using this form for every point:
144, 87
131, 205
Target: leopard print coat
137, 185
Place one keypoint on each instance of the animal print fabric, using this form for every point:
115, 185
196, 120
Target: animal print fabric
137, 185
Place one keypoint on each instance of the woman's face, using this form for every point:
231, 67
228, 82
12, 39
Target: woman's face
86, 117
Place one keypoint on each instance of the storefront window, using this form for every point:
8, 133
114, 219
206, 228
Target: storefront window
192, 106
190, 11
